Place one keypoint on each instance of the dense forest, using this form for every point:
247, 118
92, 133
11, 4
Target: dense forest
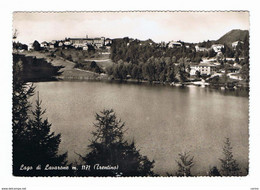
131, 51
145, 60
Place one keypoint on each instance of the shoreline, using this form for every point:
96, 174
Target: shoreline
242, 91
197, 83
69, 73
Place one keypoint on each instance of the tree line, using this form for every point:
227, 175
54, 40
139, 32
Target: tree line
136, 51
163, 69
131, 51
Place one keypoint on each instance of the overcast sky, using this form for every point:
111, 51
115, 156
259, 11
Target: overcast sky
158, 26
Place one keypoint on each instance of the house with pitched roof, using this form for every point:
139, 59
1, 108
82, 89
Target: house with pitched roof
83, 42
205, 68
173, 44
217, 47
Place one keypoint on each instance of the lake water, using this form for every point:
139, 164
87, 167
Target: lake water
163, 121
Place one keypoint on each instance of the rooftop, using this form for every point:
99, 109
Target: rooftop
84, 38
207, 64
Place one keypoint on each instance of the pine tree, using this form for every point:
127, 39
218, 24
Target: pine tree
36, 45
46, 143
229, 166
37, 146
108, 148
33, 144
185, 163
21, 93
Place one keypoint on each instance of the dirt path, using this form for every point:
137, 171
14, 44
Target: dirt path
98, 60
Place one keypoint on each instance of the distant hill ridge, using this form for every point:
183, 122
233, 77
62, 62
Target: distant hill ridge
232, 36
228, 38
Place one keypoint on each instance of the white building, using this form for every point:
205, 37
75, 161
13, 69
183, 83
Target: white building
85, 48
172, 44
108, 41
217, 47
203, 68
44, 44
67, 43
200, 48
193, 69
60, 44
235, 76
234, 44
82, 42
207, 68
30, 46
51, 46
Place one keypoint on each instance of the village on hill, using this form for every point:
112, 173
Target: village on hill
223, 63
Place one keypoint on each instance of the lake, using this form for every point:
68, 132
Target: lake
162, 120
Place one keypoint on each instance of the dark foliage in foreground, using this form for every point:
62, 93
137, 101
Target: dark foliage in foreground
229, 166
33, 143
185, 163
108, 148
214, 171
34, 70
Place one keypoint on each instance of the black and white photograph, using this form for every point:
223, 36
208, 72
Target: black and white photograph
130, 93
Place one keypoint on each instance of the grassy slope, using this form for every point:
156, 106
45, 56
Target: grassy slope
69, 72
102, 60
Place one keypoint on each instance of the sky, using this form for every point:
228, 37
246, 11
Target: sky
158, 26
